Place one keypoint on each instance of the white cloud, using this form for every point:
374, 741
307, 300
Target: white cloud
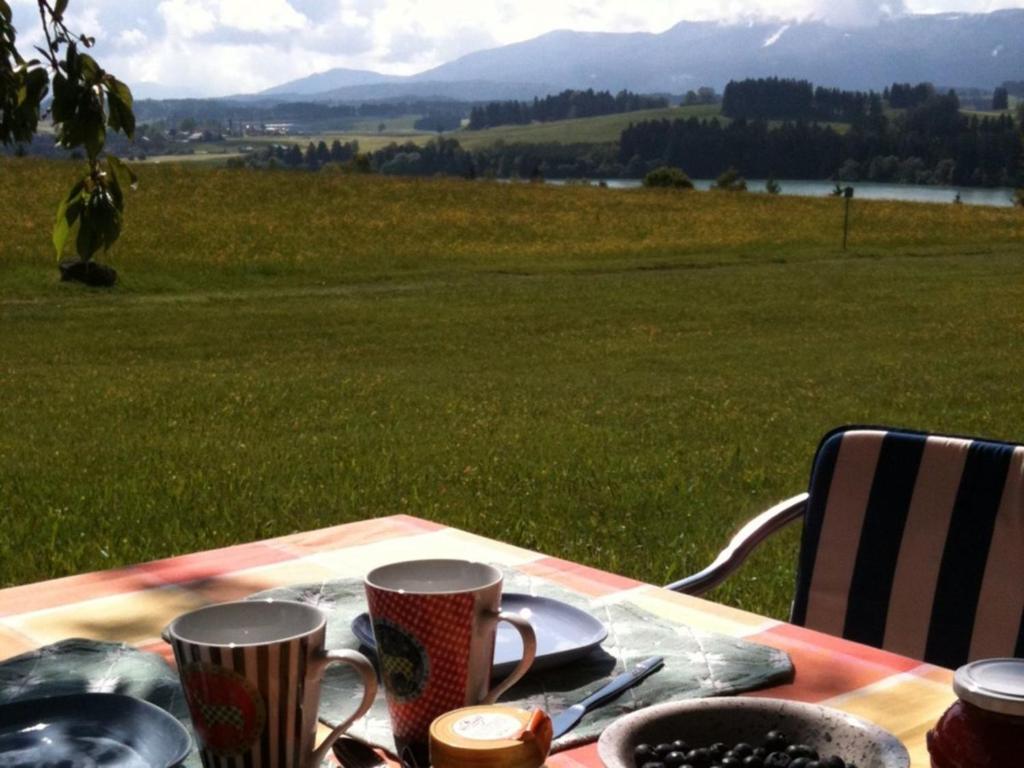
132, 37
267, 16
186, 18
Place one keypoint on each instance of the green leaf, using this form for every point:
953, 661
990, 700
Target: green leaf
59, 7
100, 224
36, 82
119, 98
5, 11
65, 96
68, 212
94, 137
87, 242
91, 72
121, 177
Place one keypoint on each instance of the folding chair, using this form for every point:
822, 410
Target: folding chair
911, 542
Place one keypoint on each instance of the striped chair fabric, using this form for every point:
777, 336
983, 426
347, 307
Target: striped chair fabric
915, 543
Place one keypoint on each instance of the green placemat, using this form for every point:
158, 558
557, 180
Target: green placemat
697, 664
88, 666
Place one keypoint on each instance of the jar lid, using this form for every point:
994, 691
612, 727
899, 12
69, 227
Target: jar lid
996, 685
490, 736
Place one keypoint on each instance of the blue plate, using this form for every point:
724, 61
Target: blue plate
564, 633
94, 729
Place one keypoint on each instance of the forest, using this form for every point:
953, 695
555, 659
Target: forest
929, 142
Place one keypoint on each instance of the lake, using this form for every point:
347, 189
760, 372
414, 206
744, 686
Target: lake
868, 190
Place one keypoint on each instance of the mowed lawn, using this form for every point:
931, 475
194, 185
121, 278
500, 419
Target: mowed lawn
615, 377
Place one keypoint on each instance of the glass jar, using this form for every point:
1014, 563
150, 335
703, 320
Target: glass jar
984, 728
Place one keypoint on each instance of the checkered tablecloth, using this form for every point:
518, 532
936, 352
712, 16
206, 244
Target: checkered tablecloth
133, 604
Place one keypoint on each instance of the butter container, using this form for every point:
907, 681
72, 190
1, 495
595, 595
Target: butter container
490, 736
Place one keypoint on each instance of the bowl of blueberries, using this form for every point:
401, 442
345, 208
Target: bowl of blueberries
747, 732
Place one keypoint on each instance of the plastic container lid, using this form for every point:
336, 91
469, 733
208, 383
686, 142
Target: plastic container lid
490, 736
996, 685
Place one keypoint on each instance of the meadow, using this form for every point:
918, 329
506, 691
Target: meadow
616, 377
602, 129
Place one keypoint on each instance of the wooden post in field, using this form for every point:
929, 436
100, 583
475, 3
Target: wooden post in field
847, 196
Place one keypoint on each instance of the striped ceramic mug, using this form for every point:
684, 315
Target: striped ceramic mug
251, 672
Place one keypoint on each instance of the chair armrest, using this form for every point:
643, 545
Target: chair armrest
741, 545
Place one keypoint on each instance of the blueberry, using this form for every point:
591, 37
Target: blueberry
833, 762
674, 759
718, 750
761, 752
699, 758
653, 764
776, 741
801, 750
680, 746
663, 749
743, 750
777, 760
729, 761
753, 761
799, 762
643, 753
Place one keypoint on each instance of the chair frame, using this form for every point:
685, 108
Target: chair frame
742, 545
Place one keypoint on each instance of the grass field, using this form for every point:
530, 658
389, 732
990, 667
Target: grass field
586, 130
616, 377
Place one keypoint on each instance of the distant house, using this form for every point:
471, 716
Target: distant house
197, 136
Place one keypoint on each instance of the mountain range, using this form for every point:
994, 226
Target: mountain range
951, 50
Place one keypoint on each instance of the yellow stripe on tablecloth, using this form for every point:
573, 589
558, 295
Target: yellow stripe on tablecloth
130, 618
13, 643
241, 584
906, 704
448, 543
698, 613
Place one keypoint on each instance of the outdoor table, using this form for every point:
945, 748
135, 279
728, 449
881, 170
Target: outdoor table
134, 604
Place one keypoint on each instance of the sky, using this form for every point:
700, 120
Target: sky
170, 48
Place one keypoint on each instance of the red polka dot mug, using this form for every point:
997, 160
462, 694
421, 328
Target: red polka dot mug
434, 624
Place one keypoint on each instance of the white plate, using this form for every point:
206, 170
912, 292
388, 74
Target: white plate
564, 633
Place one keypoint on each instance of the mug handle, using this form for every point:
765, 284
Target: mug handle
369, 678
525, 630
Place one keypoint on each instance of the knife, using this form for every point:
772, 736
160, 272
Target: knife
566, 721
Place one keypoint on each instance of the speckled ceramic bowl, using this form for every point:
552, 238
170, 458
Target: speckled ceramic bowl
702, 722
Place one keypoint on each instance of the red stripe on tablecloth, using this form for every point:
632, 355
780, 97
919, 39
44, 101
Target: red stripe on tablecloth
579, 578
71, 589
212, 563
827, 666
353, 534
578, 757
199, 566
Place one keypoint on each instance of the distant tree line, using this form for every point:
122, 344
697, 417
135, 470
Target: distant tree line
445, 156
905, 95
565, 105
315, 156
773, 98
931, 142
